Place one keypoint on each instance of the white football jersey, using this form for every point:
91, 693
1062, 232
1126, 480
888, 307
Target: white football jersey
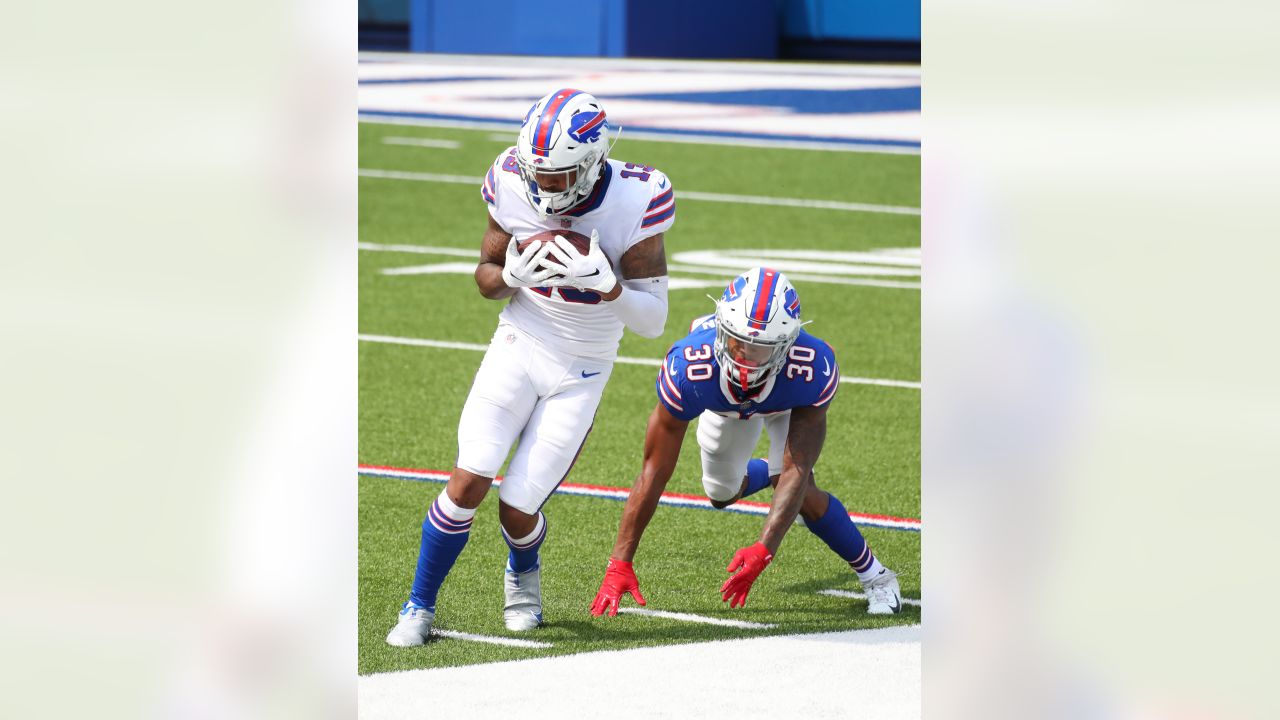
629, 203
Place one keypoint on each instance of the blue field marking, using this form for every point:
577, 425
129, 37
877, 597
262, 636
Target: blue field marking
804, 102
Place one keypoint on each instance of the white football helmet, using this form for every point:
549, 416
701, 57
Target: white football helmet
757, 322
564, 134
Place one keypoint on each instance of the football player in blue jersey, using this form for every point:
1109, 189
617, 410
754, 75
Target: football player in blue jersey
747, 368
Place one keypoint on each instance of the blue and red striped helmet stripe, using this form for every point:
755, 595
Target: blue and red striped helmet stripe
542, 136
764, 299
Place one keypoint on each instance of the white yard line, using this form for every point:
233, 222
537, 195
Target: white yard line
444, 344
491, 640
829, 279
509, 138
420, 177
861, 596
510, 128
423, 142
703, 619
421, 249
672, 681
448, 345
795, 202
722, 266
680, 194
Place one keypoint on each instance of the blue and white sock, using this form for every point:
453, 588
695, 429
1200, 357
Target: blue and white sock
444, 533
842, 536
524, 551
757, 476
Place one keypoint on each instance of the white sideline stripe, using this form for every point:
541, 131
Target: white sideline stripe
753, 67
510, 642
447, 345
680, 194
861, 596
687, 617
423, 142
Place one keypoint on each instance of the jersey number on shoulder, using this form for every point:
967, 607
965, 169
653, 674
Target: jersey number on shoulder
510, 163
632, 172
800, 355
698, 370
568, 294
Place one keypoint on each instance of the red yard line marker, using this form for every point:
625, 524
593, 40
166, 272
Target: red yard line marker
618, 493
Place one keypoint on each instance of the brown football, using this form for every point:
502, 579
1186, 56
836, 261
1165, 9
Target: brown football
580, 242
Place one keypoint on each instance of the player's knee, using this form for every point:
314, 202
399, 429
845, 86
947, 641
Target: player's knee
720, 493
467, 489
515, 521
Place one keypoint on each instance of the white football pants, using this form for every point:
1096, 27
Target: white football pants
528, 390
727, 443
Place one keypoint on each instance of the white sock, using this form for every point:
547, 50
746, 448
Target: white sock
870, 573
537, 528
452, 511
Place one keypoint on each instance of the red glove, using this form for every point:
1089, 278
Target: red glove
752, 561
619, 580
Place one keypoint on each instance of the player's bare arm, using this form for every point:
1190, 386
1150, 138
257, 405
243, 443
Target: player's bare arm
662, 441
645, 259
804, 443
493, 256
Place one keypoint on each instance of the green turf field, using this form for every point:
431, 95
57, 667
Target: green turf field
411, 397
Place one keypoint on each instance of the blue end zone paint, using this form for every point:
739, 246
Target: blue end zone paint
459, 78
730, 509
808, 102
515, 126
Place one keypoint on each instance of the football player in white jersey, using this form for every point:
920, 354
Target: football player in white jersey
546, 367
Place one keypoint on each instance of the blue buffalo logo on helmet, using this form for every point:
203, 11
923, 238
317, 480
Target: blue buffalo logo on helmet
585, 127
734, 289
792, 300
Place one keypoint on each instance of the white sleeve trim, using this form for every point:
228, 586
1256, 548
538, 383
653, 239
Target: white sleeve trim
642, 306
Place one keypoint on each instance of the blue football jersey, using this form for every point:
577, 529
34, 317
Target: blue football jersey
690, 381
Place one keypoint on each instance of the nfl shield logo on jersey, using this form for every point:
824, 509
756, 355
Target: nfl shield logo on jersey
566, 222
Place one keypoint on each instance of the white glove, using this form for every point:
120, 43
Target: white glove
585, 272
527, 269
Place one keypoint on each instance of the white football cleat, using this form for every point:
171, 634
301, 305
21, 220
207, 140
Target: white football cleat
413, 627
524, 599
883, 595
